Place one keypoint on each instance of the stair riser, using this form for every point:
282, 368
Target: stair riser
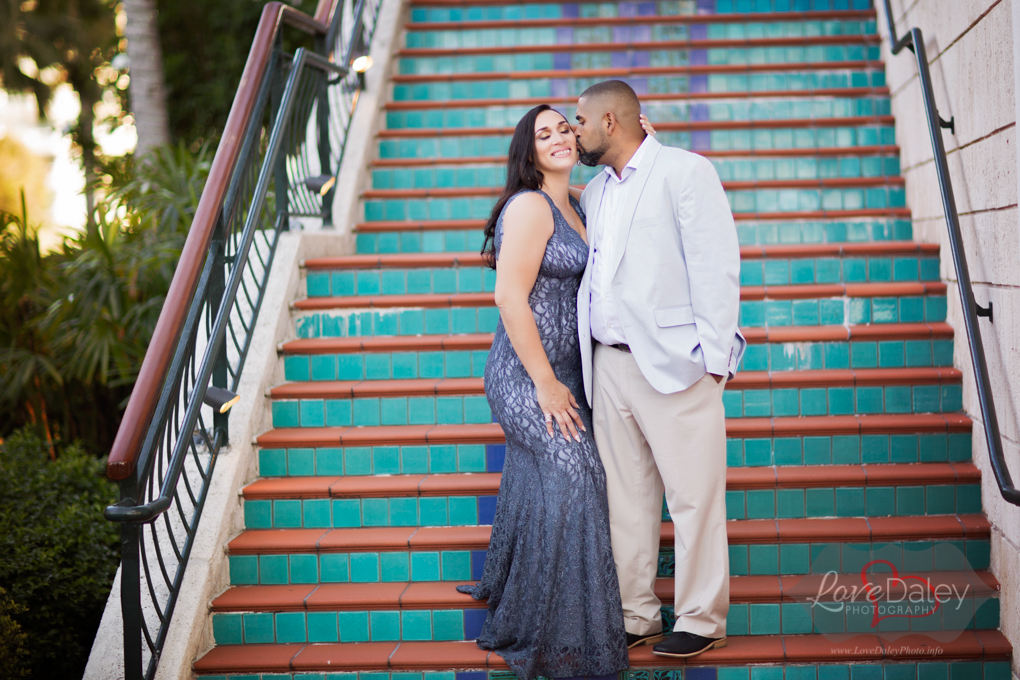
853, 51
562, 88
457, 409
542, 10
761, 110
466, 458
470, 238
743, 170
759, 139
772, 272
941, 670
877, 501
467, 565
790, 618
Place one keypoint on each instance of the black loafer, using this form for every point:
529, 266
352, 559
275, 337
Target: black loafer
683, 645
638, 640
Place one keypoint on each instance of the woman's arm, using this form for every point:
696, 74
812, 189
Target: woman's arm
527, 227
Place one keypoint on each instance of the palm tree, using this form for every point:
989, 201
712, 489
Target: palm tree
148, 87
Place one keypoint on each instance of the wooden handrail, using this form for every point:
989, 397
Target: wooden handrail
145, 394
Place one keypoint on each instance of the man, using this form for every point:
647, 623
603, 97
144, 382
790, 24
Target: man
657, 319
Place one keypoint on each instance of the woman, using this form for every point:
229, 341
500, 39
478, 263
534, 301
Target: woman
550, 579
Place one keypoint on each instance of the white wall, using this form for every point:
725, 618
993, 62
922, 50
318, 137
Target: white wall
970, 46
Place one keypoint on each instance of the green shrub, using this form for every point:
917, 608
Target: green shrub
58, 555
13, 655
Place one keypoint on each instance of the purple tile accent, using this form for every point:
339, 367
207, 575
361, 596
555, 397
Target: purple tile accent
694, 673
564, 36
701, 140
570, 11
620, 60
699, 31
698, 112
640, 33
647, 9
621, 34
495, 454
477, 564
561, 60
473, 620
706, 6
699, 84
698, 57
486, 509
640, 85
559, 87
473, 675
639, 59
626, 9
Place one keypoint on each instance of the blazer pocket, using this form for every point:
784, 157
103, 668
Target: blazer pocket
674, 316
646, 222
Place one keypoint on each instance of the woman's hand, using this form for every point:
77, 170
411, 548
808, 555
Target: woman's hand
558, 403
646, 125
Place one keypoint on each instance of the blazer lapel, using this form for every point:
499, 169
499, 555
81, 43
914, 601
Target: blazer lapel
591, 213
629, 207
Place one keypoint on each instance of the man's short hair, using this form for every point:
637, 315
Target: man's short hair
616, 96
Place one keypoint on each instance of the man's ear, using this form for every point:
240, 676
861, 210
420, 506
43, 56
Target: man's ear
610, 122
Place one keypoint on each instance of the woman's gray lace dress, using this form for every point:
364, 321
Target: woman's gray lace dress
550, 580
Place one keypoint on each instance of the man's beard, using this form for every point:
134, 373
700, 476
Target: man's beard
591, 158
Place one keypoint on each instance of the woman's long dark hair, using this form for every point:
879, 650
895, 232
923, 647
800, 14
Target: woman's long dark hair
521, 173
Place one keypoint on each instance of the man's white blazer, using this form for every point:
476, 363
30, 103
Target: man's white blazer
676, 280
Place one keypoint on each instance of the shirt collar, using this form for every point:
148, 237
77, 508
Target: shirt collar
632, 164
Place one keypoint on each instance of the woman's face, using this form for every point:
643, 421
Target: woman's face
555, 143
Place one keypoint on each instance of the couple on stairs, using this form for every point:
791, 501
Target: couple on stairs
638, 318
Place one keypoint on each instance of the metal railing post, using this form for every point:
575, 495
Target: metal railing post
280, 180
130, 588
217, 285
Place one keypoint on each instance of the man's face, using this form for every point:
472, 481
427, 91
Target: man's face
592, 141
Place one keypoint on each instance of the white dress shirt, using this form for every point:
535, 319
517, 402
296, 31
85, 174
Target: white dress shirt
606, 326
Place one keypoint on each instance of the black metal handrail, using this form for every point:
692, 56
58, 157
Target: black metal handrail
914, 41
295, 130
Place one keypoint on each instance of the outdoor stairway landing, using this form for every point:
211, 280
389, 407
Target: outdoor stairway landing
849, 456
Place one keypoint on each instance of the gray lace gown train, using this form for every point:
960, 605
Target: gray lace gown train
550, 580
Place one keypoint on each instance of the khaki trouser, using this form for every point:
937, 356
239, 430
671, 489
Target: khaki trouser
650, 442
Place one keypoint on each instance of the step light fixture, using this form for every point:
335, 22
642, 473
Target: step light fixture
320, 184
359, 66
220, 399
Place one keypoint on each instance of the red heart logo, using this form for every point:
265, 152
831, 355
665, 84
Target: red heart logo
873, 592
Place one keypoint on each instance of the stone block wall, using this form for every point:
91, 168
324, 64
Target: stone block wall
973, 47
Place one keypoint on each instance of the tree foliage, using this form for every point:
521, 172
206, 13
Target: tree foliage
57, 554
13, 654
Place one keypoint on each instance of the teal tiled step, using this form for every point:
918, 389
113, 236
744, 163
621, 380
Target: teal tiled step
547, 88
741, 201
471, 363
542, 10
393, 281
757, 452
385, 625
748, 403
420, 410
769, 272
673, 56
873, 501
470, 239
758, 140
746, 169
928, 670
465, 565
842, 311
759, 110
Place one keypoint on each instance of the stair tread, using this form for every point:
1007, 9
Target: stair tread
880, 91
492, 433
487, 483
443, 594
842, 529
780, 292
347, 389
282, 658
471, 259
753, 335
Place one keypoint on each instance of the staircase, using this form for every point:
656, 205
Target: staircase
846, 439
